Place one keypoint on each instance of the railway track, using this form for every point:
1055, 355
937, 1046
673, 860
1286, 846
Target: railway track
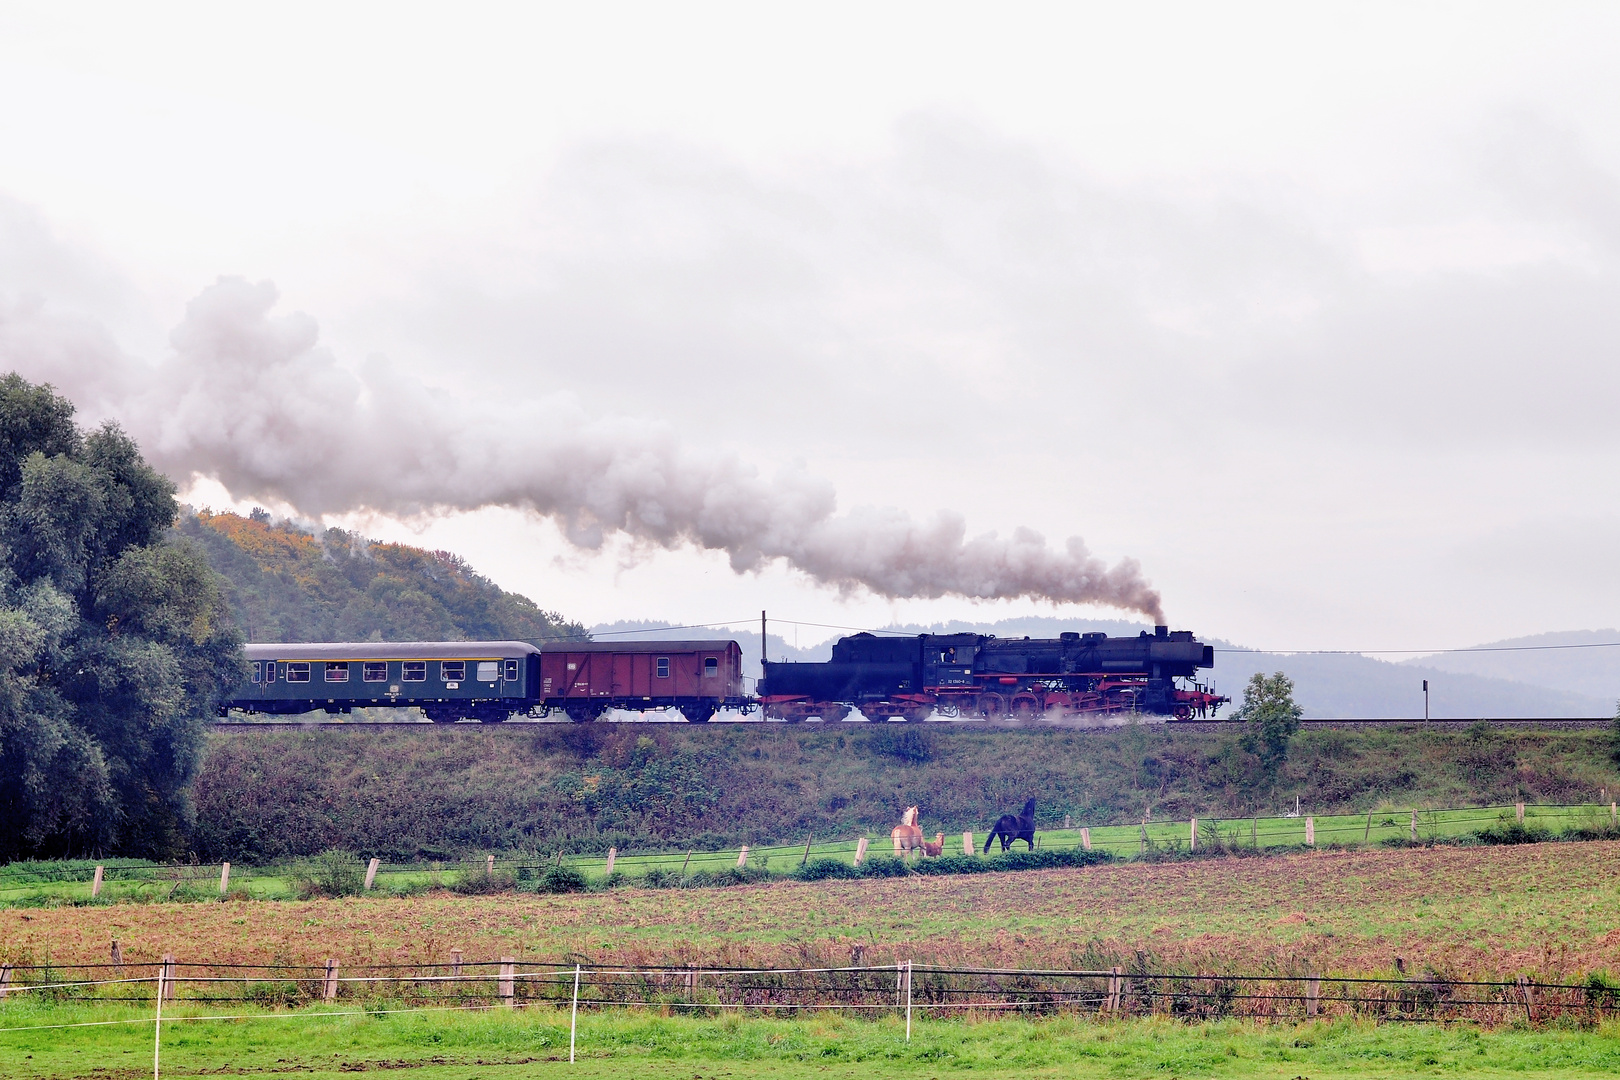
1571, 722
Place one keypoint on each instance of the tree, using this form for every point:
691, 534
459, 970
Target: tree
1273, 717
115, 641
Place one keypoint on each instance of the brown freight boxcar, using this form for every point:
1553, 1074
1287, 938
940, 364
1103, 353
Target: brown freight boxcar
587, 678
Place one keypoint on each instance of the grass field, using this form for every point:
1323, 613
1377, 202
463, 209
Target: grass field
33, 883
1543, 909
645, 1045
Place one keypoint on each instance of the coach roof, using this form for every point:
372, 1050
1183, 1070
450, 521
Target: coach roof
715, 645
387, 650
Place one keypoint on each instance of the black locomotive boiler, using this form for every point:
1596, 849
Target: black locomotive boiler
995, 678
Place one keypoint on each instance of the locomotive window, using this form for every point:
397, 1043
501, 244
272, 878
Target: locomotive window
374, 671
489, 670
297, 671
414, 671
711, 667
511, 671
337, 671
663, 667
452, 670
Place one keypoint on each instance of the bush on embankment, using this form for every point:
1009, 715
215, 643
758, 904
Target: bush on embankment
440, 793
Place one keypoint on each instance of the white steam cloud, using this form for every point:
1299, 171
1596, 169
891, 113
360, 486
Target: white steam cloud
252, 400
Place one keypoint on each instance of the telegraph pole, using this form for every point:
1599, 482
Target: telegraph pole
1425, 700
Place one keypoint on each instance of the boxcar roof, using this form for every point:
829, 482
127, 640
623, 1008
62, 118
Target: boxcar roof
715, 645
388, 650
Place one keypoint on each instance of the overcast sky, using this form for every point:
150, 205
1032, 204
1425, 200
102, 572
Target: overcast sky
1309, 309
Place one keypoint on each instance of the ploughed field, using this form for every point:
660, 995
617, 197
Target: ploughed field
1549, 910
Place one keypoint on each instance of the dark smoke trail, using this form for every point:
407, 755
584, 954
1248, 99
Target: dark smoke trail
253, 401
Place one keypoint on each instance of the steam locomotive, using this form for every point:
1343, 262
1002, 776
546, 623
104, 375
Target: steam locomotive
910, 678
907, 678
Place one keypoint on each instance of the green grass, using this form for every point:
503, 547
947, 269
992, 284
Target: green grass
31, 883
529, 1043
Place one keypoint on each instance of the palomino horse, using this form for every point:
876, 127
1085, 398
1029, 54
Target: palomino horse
933, 848
907, 835
1009, 828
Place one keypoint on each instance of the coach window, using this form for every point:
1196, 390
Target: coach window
269, 671
414, 671
298, 671
452, 670
337, 671
663, 667
258, 671
489, 670
711, 667
511, 671
374, 671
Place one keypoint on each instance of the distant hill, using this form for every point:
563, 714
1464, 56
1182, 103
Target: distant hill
289, 584
1557, 683
1593, 669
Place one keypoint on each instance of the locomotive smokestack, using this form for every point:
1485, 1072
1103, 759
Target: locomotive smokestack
1161, 631
254, 402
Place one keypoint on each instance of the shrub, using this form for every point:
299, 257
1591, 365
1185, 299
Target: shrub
658, 878
823, 869
562, 879
334, 872
1513, 832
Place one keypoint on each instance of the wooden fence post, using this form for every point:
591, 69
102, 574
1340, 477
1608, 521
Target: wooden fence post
5, 980
95, 884
371, 873
1066, 824
508, 978
329, 985
967, 844
806, 860
742, 857
860, 851
1254, 832
1313, 995
1085, 838
224, 878
1414, 826
1114, 991
455, 963
1518, 812
1614, 814
1310, 832
1524, 992
168, 977
117, 959
489, 865
1367, 832
1192, 841
613, 853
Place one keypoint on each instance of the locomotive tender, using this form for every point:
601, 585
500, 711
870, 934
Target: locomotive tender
907, 678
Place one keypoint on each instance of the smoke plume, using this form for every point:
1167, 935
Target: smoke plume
252, 400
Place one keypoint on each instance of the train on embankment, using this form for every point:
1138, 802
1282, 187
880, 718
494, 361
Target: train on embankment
882, 677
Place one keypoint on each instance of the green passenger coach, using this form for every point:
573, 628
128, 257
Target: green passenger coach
447, 680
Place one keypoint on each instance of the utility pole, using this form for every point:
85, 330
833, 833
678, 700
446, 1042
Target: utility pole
764, 657
1425, 701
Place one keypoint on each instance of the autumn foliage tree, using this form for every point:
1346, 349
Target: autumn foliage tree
115, 642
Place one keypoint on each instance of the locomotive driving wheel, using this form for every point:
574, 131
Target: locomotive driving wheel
992, 706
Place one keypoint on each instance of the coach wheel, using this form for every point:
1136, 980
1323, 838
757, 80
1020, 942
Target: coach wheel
834, 713
441, 715
583, 714
699, 712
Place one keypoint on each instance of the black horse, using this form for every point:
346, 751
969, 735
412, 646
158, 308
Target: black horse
1010, 828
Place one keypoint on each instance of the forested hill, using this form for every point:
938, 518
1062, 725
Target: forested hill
288, 584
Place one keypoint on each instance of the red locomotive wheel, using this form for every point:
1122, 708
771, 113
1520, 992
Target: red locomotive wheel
992, 706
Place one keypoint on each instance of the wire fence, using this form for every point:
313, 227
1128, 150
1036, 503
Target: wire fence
915, 990
1517, 822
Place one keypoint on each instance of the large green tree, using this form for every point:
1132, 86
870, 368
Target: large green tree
115, 641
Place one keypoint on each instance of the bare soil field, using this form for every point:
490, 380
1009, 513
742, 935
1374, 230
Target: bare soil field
1552, 910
